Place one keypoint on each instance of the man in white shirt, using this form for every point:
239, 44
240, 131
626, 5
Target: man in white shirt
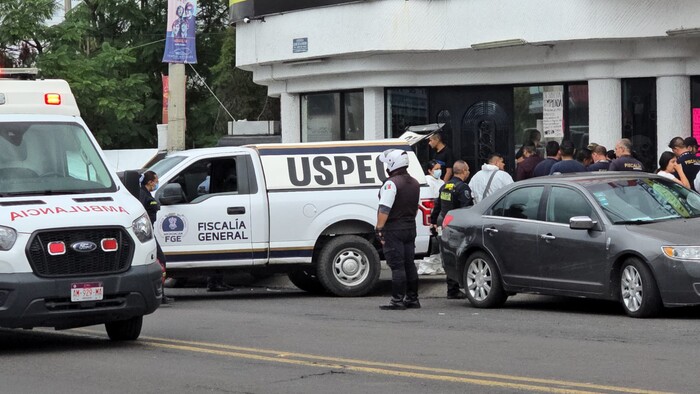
490, 178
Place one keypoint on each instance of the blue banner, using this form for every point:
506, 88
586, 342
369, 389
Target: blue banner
180, 39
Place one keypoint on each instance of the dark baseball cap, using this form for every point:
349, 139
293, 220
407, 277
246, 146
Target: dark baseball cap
690, 141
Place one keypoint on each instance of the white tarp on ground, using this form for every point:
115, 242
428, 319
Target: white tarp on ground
130, 159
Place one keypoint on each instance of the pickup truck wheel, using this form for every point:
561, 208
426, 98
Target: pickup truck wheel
125, 330
348, 266
306, 280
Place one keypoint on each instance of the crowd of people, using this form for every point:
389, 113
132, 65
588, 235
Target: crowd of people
448, 178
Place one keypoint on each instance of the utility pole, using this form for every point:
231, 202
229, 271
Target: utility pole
67, 4
176, 107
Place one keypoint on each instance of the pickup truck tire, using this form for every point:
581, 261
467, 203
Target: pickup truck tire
348, 266
125, 330
306, 280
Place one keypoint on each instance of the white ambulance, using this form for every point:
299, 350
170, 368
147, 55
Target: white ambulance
307, 209
76, 248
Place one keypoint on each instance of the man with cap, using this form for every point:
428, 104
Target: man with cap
692, 144
686, 158
396, 229
600, 159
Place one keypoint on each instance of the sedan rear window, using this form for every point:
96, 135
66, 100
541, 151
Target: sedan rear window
644, 200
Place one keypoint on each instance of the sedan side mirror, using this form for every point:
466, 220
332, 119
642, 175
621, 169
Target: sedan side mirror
172, 194
582, 223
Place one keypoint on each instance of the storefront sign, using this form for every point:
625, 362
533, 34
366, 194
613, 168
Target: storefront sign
696, 123
553, 115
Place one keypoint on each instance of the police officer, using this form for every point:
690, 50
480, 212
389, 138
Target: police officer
149, 183
453, 194
396, 229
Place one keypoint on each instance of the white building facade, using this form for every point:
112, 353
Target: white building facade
492, 70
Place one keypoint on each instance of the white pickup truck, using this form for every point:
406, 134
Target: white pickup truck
307, 209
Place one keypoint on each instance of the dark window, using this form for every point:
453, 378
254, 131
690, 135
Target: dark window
639, 119
405, 107
210, 176
332, 116
564, 203
522, 203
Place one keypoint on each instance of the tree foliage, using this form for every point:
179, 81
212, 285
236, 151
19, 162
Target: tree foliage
110, 51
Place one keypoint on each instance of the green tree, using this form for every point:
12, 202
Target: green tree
23, 30
110, 51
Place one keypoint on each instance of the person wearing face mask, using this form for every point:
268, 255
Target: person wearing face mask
454, 194
149, 184
433, 172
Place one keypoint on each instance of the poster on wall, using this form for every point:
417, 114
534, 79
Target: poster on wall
180, 39
553, 115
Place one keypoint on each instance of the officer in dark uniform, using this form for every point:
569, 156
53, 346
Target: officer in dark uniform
453, 194
149, 183
396, 229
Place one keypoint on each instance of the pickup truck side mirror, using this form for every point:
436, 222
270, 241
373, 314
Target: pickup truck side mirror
130, 179
172, 194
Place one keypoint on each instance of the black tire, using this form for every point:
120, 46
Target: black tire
348, 266
482, 282
125, 330
306, 279
639, 294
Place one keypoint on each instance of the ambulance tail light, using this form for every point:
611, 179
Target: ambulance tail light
109, 245
52, 99
426, 207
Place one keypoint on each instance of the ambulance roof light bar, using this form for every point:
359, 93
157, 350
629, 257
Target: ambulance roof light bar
19, 73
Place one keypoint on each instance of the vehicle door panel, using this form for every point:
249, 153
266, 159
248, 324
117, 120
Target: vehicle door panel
213, 226
572, 260
510, 233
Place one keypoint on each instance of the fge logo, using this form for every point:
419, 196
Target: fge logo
174, 228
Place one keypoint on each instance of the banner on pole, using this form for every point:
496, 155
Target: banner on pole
180, 38
165, 98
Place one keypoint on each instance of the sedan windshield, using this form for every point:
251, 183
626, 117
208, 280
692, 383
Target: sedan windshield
644, 200
49, 158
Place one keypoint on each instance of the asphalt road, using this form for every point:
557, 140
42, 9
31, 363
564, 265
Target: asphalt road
260, 340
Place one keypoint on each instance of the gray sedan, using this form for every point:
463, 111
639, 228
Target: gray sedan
623, 236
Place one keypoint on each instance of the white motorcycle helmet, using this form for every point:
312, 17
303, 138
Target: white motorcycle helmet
394, 159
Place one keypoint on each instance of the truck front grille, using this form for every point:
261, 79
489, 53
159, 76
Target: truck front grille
74, 263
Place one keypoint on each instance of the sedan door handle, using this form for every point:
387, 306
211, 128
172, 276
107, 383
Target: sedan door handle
235, 210
491, 230
547, 237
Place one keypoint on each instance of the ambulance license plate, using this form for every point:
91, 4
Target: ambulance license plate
91, 291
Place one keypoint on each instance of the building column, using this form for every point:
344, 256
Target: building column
604, 111
673, 116
374, 113
290, 117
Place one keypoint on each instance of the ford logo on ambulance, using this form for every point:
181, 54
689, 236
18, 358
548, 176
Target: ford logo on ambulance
83, 246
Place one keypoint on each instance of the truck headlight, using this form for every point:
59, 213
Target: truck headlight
8, 236
142, 228
682, 252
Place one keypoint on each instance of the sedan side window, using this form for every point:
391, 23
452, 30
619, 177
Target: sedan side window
566, 203
522, 203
